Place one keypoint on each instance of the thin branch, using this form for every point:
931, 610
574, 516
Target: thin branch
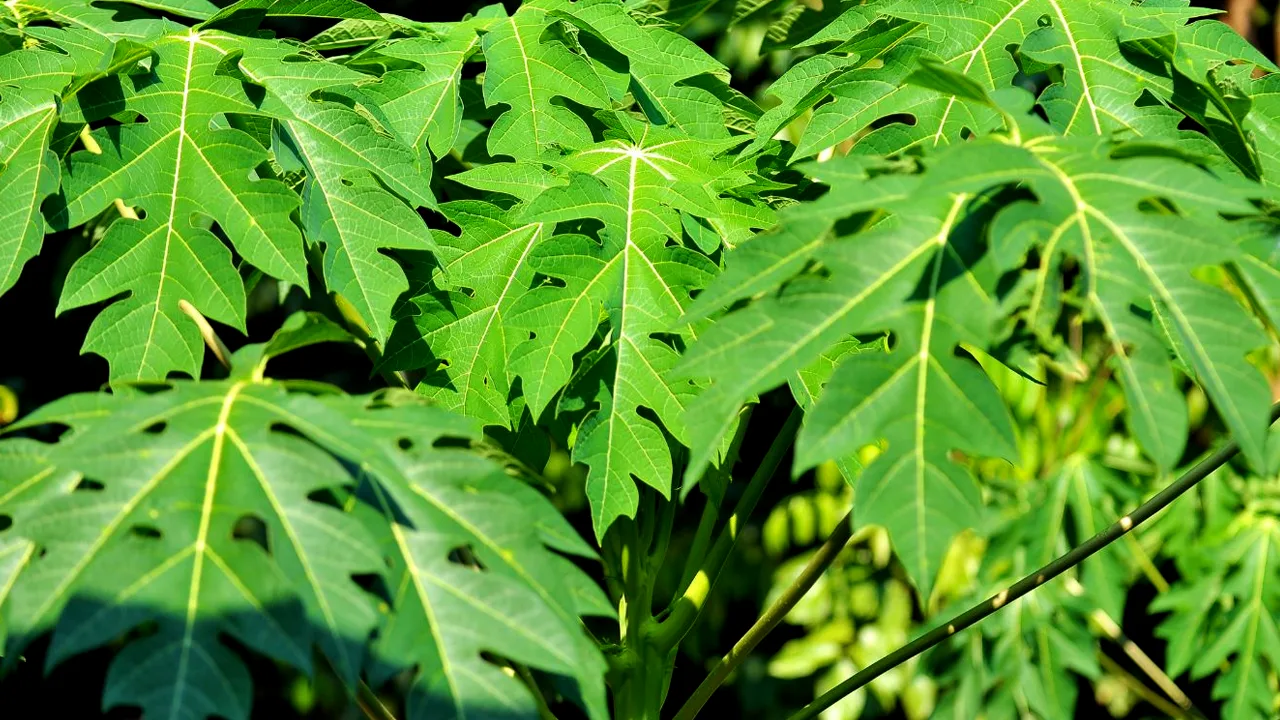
685, 609
711, 510
701, 541
771, 618
1074, 557
1138, 687
1146, 565
544, 710
370, 704
210, 336
1112, 630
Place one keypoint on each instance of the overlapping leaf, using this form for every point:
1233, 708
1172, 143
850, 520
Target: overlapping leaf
641, 277
662, 66
107, 22
525, 70
179, 172
463, 335
160, 530
254, 10
1097, 76
1205, 630
358, 177
924, 274
26, 477
199, 513
437, 504
423, 104
1138, 278
39, 90
912, 273
29, 171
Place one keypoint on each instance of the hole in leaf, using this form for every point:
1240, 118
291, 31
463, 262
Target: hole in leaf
6, 522
253, 529
671, 340
451, 442
855, 223
374, 584
540, 280
465, 555
497, 660
960, 353
88, 485
149, 532
325, 496
1144, 313
405, 443
894, 119
156, 428
283, 429
1158, 206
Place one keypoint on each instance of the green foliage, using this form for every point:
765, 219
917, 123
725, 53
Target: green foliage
239, 507
1224, 615
1015, 261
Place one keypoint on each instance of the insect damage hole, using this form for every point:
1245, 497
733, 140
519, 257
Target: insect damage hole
252, 528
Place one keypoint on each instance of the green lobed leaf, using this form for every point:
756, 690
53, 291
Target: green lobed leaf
363, 186
202, 511
525, 71
1205, 635
1096, 81
179, 173
637, 189
462, 334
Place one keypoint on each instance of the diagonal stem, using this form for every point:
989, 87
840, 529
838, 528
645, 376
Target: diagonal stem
1074, 557
1138, 687
370, 704
772, 616
685, 609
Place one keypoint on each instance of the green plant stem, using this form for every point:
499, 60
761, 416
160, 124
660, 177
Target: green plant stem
711, 510
370, 704
1144, 662
685, 609
1140, 688
641, 669
1148, 567
662, 536
1074, 557
544, 710
701, 541
771, 618
1109, 627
